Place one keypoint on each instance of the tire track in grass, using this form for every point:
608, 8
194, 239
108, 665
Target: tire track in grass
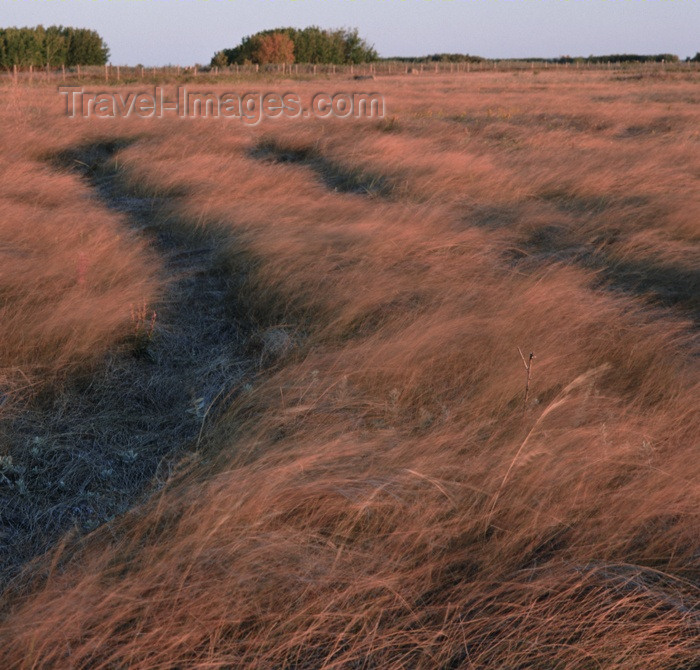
82, 455
332, 174
669, 288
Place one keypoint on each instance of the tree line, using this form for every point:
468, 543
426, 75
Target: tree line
612, 58
51, 47
622, 58
438, 58
294, 45
58, 45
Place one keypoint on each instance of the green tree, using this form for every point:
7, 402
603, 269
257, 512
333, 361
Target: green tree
52, 46
86, 47
20, 47
356, 50
219, 60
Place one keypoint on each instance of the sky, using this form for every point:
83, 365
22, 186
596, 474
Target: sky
184, 32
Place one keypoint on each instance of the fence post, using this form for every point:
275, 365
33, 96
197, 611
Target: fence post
14, 71
119, 74
31, 74
106, 72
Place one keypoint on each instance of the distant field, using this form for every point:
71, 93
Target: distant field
268, 380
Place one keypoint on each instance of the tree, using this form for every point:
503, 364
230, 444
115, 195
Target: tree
20, 47
277, 47
356, 50
52, 46
310, 45
55, 46
219, 60
86, 47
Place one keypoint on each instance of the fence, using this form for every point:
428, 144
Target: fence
114, 74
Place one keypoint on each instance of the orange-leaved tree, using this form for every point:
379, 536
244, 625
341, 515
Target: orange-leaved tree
274, 48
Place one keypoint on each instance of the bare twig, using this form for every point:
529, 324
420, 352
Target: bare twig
528, 367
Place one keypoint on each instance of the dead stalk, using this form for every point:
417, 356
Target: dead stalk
528, 368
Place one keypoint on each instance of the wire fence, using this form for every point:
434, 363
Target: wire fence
115, 74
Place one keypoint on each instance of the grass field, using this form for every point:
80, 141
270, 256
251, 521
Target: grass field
263, 400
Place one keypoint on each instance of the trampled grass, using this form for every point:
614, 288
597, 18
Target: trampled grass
381, 495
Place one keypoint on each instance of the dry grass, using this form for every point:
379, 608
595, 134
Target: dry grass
381, 497
69, 272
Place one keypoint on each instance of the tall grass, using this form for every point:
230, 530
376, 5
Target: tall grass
381, 497
69, 272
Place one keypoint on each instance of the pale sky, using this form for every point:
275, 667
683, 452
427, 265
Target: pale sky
161, 32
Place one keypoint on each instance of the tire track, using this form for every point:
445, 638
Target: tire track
87, 453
